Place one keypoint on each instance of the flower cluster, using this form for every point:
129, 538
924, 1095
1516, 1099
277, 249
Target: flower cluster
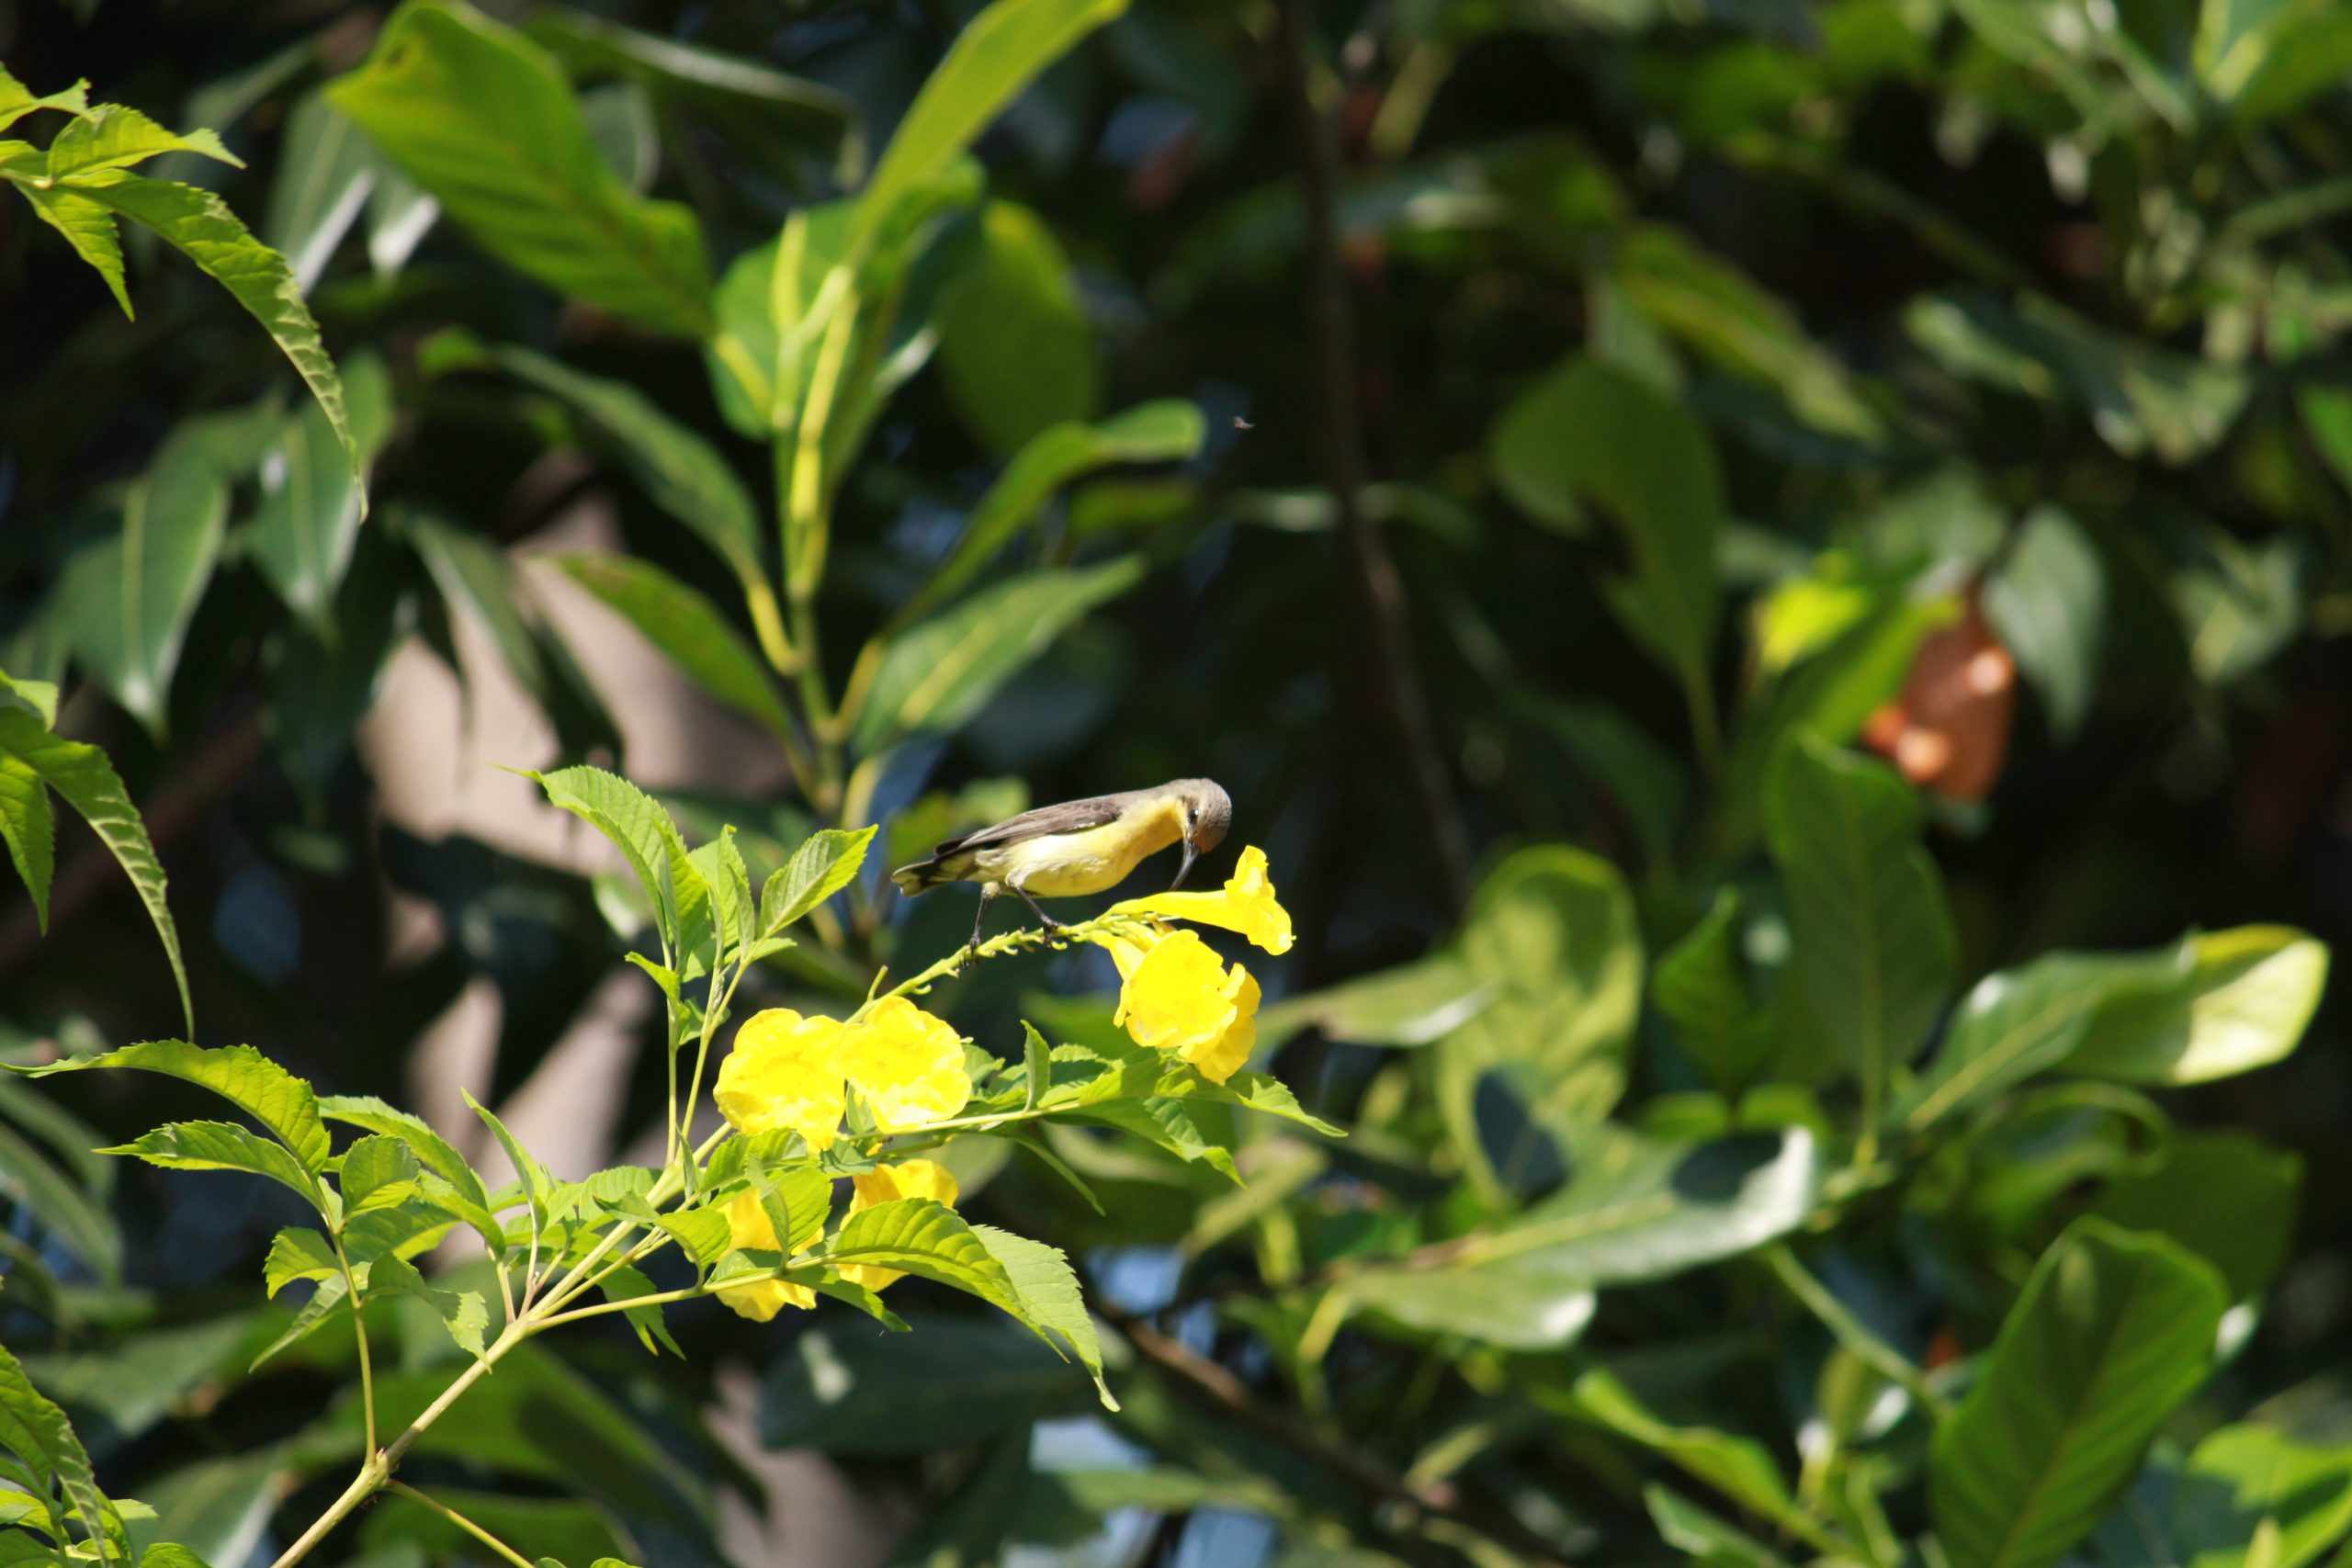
1175, 994
749, 1227
793, 1073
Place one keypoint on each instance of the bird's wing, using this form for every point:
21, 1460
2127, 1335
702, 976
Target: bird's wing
1069, 816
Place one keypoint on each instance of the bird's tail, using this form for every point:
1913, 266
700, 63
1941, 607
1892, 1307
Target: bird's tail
919, 877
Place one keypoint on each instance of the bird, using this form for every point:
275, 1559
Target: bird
1076, 848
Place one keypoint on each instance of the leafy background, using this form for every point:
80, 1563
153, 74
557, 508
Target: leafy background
1702, 357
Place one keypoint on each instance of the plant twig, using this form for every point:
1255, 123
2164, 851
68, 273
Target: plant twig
458, 1519
1389, 671
1218, 1388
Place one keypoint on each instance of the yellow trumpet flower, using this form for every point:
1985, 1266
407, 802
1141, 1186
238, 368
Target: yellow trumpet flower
1176, 995
1246, 904
786, 1071
748, 1226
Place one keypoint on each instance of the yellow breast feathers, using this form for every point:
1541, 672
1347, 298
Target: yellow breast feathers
1071, 866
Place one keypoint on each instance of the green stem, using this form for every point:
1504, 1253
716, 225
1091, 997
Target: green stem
359, 1331
458, 1519
1868, 1348
663, 1298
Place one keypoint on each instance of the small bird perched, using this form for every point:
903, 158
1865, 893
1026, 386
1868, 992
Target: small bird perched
1076, 848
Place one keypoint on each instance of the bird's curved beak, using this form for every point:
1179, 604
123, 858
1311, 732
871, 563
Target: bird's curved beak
1191, 854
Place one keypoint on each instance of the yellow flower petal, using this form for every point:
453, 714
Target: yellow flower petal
1219, 1059
908, 1065
784, 1072
1246, 904
887, 1184
1176, 998
748, 1226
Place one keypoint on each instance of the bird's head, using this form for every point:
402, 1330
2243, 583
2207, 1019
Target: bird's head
1208, 812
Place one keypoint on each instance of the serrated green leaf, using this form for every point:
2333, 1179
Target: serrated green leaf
88, 226
115, 136
467, 1196
638, 826
200, 226
297, 1253
462, 1313
17, 100
825, 861
378, 1172
239, 1073
1050, 1300
218, 1146
38, 1433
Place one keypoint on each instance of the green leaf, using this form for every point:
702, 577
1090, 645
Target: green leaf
115, 136
2226, 1196
2046, 599
917, 1235
87, 781
1417, 1003
701, 1234
1876, 955
2251, 1497
638, 826
483, 118
326, 171
434, 1152
686, 628
2111, 1332
1150, 433
306, 523
1589, 432
1552, 931
17, 100
826, 862
312, 1316
297, 1253
239, 1073
539, 1188
170, 1554
378, 1172
462, 1313
1725, 316
959, 1380
29, 828
2243, 1003
1701, 986
1493, 1303
1036, 1067
1739, 1468
124, 602
1016, 353
1001, 51
37, 1432
88, 226
70, 1213
1049, 1293
199, 225
758, 109
679, 471
623, 1284
218, 1146
1639, 1210
2016, 1023
939, 675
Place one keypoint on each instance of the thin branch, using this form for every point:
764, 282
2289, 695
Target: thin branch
1389, 671
458, 1519
1218, 1388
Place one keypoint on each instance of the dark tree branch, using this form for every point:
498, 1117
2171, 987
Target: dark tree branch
1390, 676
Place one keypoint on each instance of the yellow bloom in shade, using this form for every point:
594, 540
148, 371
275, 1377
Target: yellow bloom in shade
908, 1065
784, 1072
887, 1184
748, 1226
1246, 904
1177, 996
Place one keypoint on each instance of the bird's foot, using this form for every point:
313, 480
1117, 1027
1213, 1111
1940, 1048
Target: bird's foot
971, 957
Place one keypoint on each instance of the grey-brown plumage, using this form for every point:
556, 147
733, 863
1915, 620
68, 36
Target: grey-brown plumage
1077, 846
